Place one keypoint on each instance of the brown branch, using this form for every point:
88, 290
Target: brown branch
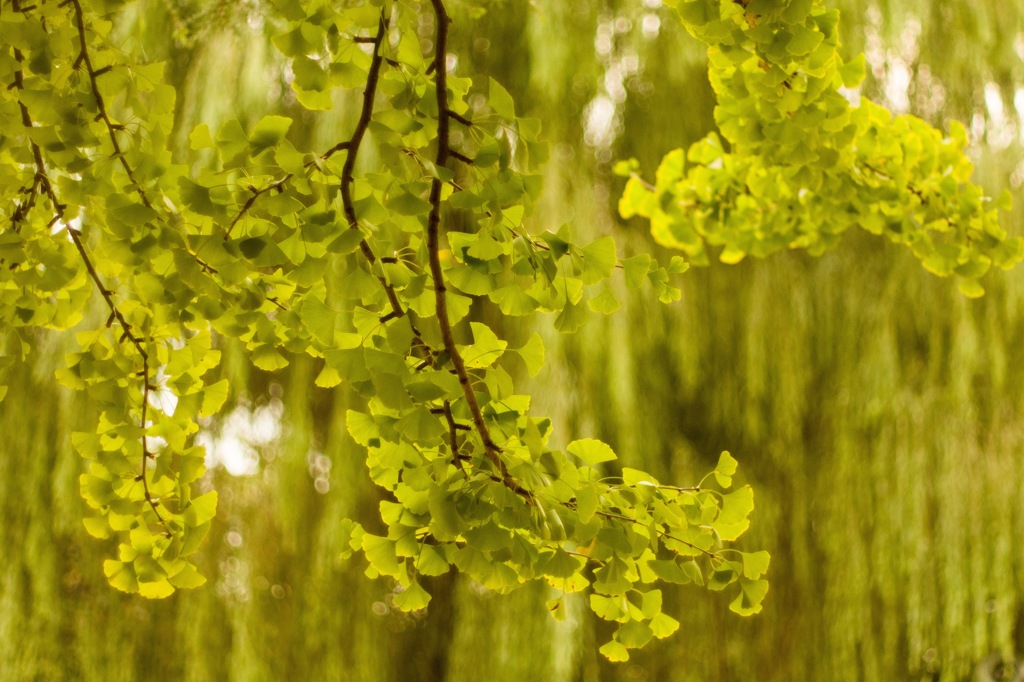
348, 170
152, 501
352, 145
42, 180
93, 73
333, 150
127, 335
256, 194
112, 128
101, 107
126, 329
491, 449
460, 118
277, 185
453, 437
22, 211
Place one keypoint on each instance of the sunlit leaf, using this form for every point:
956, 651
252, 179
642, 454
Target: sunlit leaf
412, 598
752, 594
591, 451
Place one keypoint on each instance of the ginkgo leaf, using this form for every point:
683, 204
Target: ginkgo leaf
268, 132
412, 598
591, 451
533, 354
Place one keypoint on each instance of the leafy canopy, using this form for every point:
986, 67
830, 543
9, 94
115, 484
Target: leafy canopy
375, 268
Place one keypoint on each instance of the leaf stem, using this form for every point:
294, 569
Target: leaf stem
662, 533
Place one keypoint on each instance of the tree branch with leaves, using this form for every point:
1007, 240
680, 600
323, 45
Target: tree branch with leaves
376, 265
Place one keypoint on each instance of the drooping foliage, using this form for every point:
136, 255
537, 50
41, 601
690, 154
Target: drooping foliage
241, 241
804, 164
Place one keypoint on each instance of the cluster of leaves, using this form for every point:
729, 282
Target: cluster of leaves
804, 164
376, 269
83, 171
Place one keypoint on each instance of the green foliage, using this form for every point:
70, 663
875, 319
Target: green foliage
802, 164
241, 238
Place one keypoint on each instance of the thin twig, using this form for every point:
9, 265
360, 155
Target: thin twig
126, 335
86, 59
103, 114
351, 146
453, 437
664, 534
460, 118
910, 188
22, 211
256, 194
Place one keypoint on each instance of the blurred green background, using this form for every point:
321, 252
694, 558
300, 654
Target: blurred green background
878, 413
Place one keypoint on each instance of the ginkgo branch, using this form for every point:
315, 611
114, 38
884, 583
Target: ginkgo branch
101, 107
491, 449
42, 180
453, 437
352, 146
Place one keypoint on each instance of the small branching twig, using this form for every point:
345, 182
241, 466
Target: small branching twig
256, 194
661, 533
103, 114
460, 118
453, 437
910, 188
22, 211
85, 59
352, 146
